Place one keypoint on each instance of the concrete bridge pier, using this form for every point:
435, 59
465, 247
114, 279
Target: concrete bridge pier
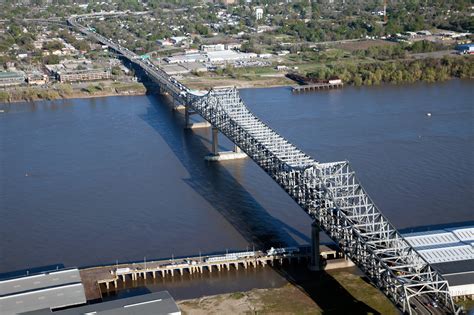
222, 156
179, 107
315, 263
188, 125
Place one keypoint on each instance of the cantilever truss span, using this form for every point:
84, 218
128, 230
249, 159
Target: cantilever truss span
333, 196
329, 192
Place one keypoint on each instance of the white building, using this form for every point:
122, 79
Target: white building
258, 13
177, 39
216, 47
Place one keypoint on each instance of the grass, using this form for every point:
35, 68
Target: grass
237, 295
364, 292
287, 300
337, 292
467, 304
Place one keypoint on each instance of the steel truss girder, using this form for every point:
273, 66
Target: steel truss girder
328, 192
333, 196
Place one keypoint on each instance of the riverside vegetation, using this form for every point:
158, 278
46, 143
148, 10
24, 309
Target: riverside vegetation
62, 91
398, 71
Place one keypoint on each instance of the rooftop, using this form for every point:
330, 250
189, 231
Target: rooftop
39, 281
148, 304
42, 291
8, 75
444, 245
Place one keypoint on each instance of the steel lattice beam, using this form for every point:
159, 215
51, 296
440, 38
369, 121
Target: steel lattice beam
333, 196
329, 192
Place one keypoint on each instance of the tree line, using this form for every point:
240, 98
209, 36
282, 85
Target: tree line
399, 71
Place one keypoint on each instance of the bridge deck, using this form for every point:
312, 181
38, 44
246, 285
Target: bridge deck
329, 192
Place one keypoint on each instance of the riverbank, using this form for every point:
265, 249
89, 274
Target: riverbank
66, 91
248, 81
351, 72
336, 292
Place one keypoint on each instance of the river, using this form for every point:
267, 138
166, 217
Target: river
95, 181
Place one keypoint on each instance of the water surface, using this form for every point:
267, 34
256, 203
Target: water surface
92, 181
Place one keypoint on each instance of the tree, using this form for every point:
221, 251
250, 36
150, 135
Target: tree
51, 60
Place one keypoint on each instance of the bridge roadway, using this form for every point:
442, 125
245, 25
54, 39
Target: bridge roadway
329, 192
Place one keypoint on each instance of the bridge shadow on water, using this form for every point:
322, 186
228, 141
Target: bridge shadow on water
215, 183
257, 226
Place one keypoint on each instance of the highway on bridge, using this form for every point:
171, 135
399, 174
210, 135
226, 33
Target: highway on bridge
329, 192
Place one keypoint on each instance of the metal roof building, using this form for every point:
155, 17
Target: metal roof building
158, 303
444, 245
451, 251
46, 290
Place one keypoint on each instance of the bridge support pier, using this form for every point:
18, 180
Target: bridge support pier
222, 156
188, 125
179, 107
315, 263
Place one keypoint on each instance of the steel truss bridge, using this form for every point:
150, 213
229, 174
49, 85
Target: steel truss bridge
330, 193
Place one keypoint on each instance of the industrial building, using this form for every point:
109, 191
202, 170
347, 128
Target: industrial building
158, 303
216, 56
49, 290
36, 78
186, 58
451, 251
11, 78
216, 47
183, 68
79, 70
83, 75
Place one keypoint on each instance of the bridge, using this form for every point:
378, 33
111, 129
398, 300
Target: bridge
329, 193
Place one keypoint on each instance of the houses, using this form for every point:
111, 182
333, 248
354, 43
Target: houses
172, 41
164, 42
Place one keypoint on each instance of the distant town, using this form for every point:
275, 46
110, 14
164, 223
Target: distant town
242, 43
92, 191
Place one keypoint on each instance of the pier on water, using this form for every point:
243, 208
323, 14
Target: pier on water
316, 86
108, 277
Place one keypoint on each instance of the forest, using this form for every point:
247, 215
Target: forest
398, 71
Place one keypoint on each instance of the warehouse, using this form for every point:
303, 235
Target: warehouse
11, 78
451, 251
158, 303
48, 290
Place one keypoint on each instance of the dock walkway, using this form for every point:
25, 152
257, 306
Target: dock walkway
108, 277
316, 86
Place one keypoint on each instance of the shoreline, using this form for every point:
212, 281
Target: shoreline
30, 94
74, 96
240, 85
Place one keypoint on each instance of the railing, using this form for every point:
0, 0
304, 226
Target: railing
329, 192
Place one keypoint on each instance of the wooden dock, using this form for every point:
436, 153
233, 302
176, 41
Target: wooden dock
108, 278
316, 86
